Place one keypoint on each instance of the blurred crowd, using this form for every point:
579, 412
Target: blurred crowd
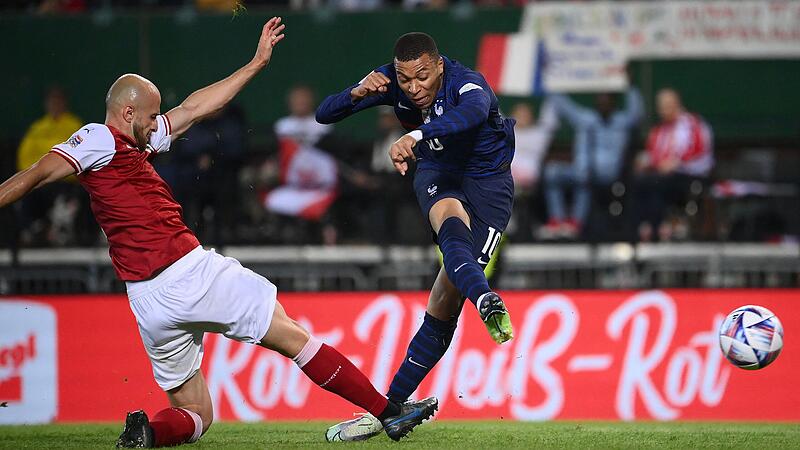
229, 6
612, 180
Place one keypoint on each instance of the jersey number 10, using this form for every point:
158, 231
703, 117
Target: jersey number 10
435, 145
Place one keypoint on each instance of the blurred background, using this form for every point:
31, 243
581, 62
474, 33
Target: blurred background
658, 143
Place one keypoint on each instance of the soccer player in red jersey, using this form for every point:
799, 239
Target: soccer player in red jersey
178, 290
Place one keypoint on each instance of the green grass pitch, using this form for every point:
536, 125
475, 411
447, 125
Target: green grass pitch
440, 435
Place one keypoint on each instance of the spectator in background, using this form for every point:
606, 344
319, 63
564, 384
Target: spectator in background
601, 138
308, 174
425, 4
53, 128
229, 6
679, 151
300, 125
532, 140
388, 131
48, 215
62, 7
206, 167
392, 214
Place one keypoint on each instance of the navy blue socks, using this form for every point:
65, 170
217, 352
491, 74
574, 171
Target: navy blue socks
425, 350
456, 242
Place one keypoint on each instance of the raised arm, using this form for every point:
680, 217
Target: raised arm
567, 108
548, 117
634, 107
373, 90
211, 99
49, 168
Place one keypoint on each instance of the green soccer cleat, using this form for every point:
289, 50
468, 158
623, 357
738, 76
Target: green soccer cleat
495, 316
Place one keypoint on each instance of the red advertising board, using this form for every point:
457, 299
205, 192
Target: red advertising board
624, 355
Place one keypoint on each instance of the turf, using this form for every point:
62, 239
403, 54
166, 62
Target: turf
441, 435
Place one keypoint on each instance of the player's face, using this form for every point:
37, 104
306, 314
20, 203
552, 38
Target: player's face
420, 79
144, 120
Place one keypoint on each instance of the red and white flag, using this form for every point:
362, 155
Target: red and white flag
310, 182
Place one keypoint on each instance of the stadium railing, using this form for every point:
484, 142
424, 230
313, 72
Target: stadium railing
524, 266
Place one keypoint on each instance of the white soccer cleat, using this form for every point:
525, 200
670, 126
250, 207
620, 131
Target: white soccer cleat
358, 429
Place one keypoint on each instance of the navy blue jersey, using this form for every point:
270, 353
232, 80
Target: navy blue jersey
463, 131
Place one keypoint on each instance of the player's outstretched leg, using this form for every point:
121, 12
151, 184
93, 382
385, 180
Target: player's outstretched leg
456, 242
189, 417
330, 370
424, 352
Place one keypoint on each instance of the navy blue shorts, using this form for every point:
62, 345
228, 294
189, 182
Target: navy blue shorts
487, 200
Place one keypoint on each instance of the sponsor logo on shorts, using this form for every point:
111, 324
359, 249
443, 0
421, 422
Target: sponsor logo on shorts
27, 362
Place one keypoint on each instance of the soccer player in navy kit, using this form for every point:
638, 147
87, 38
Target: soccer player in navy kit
463, 183
178, 290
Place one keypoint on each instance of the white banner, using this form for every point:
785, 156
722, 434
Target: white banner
584, 61
677, 29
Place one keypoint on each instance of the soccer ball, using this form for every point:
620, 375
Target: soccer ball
751, 337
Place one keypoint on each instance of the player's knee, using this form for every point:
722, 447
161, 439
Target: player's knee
285, 335
445, 209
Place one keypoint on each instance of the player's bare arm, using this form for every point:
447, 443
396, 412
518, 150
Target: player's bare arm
211, 99
48, 169
373, 84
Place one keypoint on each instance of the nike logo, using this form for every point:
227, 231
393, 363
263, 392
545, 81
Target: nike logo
462, 265
415, 363
402, 106
481, 261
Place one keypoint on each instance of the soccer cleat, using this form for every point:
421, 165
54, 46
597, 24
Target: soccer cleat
359, 429
495, 316
137, 432
411, 415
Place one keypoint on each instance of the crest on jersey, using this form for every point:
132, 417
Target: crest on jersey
432, 189
74, 141
438, 109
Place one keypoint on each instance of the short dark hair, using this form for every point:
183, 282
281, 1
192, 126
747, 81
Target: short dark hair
411, 46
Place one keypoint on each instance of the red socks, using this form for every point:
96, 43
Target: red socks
321, 363
331, 371
173, 426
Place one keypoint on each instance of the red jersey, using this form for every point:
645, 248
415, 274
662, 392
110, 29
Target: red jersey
133, 205
687, 139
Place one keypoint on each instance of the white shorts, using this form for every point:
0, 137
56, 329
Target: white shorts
203, 291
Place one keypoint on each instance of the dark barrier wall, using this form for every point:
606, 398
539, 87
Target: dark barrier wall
744, 100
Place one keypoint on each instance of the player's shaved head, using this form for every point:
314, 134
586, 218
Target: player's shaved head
130, 90
132, 104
